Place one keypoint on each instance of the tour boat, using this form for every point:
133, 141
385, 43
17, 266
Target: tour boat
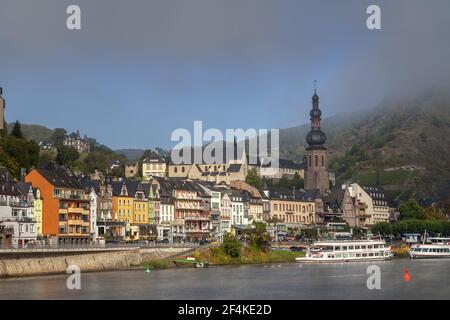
434, 248
347, 251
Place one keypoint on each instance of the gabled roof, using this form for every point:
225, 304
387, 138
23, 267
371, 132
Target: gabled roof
300, 195
10, 189
59, 176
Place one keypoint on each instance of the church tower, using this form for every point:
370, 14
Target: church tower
316, 175
2, 110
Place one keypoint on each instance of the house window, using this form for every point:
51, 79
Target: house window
175, 170
323, 161
316, 158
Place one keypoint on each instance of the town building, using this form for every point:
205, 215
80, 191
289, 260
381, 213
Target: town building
285, 169
235, 168
215, 193
6, 234
16, 214
154, 166
192, 206
131, 169
225, 215
75, 141
316, 176
37, 204
65, 204
256, 208
294, 209
363, 206
166, 218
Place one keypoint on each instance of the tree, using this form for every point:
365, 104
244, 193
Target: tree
58, 136
258, 237
17, 130
231, 246
66, 156
435, 213
383, 228
411, 210
253, 179
17, 153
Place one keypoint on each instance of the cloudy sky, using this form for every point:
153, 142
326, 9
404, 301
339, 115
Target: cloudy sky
138, 69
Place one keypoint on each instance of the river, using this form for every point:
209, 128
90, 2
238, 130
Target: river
429, 279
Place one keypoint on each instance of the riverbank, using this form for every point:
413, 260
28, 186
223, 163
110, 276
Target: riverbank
28, 264
218, 257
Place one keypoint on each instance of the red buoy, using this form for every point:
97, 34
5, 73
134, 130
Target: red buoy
406, 275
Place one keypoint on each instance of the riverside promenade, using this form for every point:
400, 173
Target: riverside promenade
17, 262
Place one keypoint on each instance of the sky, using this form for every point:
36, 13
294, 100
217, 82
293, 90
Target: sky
139, 69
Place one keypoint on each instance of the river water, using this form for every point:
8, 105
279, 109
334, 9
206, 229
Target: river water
429, 279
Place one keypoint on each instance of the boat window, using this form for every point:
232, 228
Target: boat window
370, 247
344, 248
364, 254
370, 254
357, 247
350, 248
358, 255
376, 254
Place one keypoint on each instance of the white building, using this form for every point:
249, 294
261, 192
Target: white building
364, 206
16, 212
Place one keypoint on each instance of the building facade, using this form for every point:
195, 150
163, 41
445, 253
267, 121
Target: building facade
16, 214
364, 206
65, 204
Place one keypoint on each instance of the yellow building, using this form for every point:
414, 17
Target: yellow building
122, 203
154, 166
38, 211
130, 206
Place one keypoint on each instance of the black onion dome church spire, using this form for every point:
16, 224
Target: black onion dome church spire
316, 175
315, 138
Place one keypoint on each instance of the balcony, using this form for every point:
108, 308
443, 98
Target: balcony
198, 231
75, 222
196, 218
15, 204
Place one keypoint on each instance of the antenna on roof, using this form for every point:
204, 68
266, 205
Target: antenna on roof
315, 86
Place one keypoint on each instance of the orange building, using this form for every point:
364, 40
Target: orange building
65, 204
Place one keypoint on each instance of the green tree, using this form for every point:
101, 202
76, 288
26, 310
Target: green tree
17, 130
435, 213
58, 136
231, 246
66, 156
383, 228
254, 179
258, 237
411, 210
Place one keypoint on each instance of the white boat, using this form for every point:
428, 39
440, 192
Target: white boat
347, 251
434, 248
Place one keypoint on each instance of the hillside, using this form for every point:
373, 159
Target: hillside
34, 132
292, 140
408, 141
131, 154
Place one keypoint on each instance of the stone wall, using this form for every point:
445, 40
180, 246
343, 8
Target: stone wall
21, 265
